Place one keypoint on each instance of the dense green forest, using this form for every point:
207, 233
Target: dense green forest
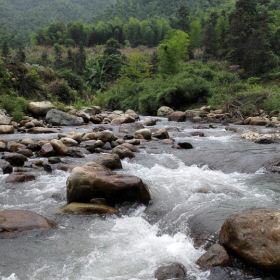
19, 18
144, 54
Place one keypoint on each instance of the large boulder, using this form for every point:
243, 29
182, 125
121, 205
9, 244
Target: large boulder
216, 255
56, 117
255, 236
171, 271
13, 222
88, 208
123, 119
4, 119
6, 129
94, 181
40, 108
164, 111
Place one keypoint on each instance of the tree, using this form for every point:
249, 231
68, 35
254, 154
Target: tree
137, 67
182, 20
5, 50
58, 63
20, 55
172, 51
211, 36
249, 36
81, 60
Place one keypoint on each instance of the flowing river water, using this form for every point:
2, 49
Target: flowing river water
193, 192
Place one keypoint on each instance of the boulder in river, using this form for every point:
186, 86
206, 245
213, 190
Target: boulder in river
57, 117
257, 121
15, 159
94, 181
111, 161
40, 108
254, 235
164, 111
88, 208
216, 255
59, 147
172, 271
6, 167
177, 116
13, 222
47, 150
123, 152
123, 119
184, 145
6, 129
161, 133
144, 133
20, 177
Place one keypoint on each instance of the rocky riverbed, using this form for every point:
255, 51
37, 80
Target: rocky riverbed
111, 195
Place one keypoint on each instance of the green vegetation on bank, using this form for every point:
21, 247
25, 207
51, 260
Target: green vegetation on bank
226, 57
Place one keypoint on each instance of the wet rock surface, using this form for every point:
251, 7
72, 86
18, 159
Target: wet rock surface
255, 236
13, 222
174, 271
94, 181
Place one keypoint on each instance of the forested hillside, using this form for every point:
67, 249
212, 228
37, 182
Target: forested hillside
148, 8
144, 54
20, 18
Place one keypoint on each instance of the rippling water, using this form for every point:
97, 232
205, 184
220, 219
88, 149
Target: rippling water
188, 194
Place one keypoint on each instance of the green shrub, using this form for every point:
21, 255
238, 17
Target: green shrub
61, 91
14, 105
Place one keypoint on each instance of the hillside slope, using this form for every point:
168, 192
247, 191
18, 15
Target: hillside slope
24, 17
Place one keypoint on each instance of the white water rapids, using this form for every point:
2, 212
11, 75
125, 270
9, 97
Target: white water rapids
134, 245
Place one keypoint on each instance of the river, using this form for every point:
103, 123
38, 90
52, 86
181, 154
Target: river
193, 192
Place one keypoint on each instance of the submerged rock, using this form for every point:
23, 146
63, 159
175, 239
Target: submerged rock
94, 181
172, 271
42, 130
88, 208
255, 236
13, 222
57, 117
216, 255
